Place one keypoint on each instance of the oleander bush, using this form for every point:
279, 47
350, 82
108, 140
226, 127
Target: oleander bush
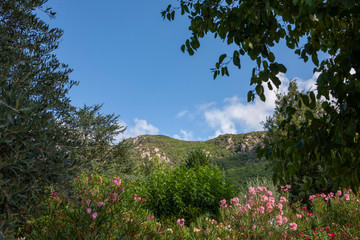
105, 208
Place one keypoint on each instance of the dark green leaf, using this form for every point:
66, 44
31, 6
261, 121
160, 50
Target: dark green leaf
221, 58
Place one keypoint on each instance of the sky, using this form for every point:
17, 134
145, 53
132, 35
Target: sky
126, 57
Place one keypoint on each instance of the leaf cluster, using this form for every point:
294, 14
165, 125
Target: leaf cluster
307, 27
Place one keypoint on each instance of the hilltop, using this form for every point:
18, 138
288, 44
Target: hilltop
234, 153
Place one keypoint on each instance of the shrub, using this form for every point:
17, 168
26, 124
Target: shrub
185, 193
101, 209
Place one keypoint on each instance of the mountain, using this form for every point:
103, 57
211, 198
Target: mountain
234, 153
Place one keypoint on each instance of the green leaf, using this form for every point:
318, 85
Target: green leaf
313, 100
315, 59
281, 68
276, 81
271, 57
236, 59
183, 48
221, 58
250, 96
309, 115
305, 99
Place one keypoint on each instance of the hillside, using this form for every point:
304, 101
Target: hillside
234, 153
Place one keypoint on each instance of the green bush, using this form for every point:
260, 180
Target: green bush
197, 158
101, 208
185, 192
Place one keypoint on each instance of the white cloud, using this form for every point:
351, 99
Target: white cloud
141, 127
182, 113
186, 135
237, 114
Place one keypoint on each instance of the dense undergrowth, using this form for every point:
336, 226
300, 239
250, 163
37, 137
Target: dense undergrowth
109, 208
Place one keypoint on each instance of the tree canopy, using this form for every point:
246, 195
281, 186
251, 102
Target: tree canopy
40, 142
308, 27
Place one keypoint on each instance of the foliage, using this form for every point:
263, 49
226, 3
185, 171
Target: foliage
243, 167
184, 192
308, 27
277, 132
34, 142
96, 133
102, 209
233, 153
260, 213
147, 167
197, 158
177, 150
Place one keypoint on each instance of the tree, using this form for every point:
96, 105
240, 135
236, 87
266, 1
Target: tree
197, 158
276, 135
96, 133
34, 141
308, 27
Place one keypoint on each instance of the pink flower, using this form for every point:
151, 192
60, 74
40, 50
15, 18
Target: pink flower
101, 204
94, 215
100, 181
285, 219
261, 209
180, 222
117, 181
288, 186
252, 190
88, 211
223, 203
293, 226
114, 196
279, 219
137, 198
283, 200
150, 217
234, 201
347, 197
269, 193
280, 206
254, 226
88, 202
339, 192
298, 215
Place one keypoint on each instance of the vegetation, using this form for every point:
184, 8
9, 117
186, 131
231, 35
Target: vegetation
110, 209
185, 192
44, 141
34, 141
233, 153
277, 129
50, 151
307, 27
97, 150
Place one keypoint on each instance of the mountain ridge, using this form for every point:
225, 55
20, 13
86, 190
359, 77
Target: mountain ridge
234, 153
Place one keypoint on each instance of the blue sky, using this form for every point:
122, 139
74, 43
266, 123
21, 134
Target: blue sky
126, 57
